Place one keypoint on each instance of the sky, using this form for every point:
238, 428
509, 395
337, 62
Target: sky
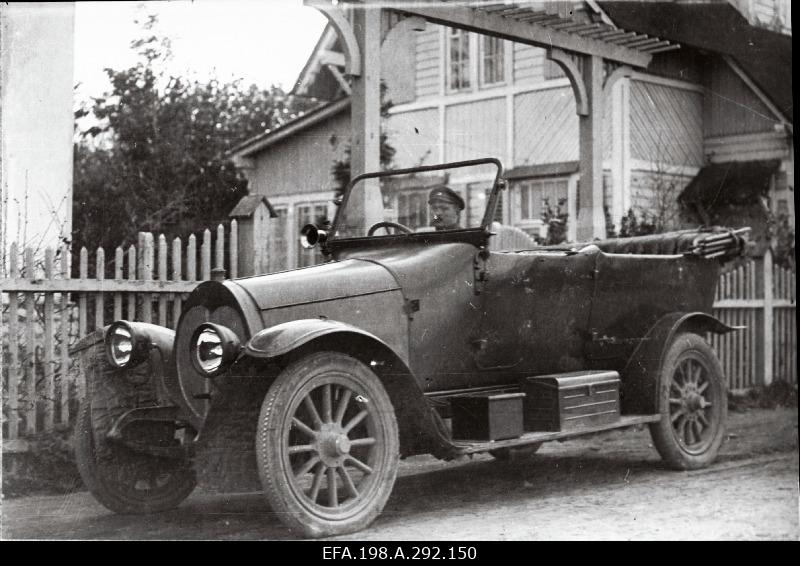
265, 42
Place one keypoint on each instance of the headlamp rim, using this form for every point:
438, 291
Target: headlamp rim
231, 346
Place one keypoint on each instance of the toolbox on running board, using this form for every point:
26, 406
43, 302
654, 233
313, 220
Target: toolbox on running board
487, 417
570, 401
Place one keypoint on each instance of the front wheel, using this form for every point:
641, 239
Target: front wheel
327, 445
693, 404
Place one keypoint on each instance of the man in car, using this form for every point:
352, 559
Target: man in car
446, 206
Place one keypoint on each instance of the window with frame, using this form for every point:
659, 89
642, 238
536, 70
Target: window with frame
412, 209
533, 197
458, 59
492, 60
310, 213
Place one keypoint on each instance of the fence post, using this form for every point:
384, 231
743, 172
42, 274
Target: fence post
769, 338
252, 214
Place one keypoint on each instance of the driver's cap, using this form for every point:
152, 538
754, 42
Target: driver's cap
446, 194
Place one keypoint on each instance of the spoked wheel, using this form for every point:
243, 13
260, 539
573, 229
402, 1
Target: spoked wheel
327, 445
125, 481
693, 404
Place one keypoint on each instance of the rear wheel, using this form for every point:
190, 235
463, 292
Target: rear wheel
125, 481
327, 445
693, 404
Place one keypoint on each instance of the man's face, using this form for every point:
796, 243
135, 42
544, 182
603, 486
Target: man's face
445, 215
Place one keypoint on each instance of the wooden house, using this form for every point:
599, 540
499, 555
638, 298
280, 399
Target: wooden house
707, 123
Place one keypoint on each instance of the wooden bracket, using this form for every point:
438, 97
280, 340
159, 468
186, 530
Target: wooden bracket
567, 64
337, 18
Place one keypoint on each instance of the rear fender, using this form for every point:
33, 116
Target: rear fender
421, 428
641, 374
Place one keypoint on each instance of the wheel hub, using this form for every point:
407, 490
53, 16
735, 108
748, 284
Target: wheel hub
333, 445
694, 402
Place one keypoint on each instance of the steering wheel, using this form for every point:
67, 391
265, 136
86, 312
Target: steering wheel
387, 224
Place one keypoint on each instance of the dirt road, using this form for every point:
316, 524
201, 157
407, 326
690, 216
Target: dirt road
609, 486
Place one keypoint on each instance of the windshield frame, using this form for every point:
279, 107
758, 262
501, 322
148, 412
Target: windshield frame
488, 213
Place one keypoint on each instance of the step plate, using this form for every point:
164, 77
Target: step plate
463, 448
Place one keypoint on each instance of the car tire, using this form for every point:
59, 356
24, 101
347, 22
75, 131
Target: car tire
327, 419
693, 404
125, 481
510, 454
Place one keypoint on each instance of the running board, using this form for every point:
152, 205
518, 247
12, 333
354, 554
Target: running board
463, 448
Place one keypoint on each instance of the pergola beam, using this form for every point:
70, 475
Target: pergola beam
531, 33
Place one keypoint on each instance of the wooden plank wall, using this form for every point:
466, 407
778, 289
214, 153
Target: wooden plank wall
666, 124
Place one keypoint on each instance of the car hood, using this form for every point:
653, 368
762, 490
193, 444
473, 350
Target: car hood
325, 282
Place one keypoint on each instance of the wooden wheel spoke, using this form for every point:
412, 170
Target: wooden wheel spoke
682, 374
317, 483
299, 448
327, 403
681, 428
348, 481
674, 386
355, 420
309, 404
342, 407
303, 427
362, 441
698, 374
673, 401
676, 415
702, 416
359, 464
333, 495
305, 468
702, 388
689, 433
698, 430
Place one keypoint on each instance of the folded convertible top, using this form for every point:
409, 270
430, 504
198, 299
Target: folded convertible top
714, 242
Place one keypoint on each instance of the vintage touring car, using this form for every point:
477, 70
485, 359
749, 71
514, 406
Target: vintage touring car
311, 384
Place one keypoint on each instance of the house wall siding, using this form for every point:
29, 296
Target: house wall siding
301, 163
666, 124
528, 63
545, 127
731, 107
414, 136
427, 73
475, 129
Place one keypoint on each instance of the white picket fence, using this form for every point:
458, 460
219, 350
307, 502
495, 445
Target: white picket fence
761, 297
148, 282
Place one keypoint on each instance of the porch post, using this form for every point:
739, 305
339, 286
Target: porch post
591, 215
366, 202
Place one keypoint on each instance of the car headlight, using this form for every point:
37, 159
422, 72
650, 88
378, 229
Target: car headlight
125, 346
213, 349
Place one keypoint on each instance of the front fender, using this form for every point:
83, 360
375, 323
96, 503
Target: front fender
641, 374
282, 338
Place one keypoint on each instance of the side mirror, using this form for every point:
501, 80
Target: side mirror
310, 236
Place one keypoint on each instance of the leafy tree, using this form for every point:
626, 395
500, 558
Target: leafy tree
156, 158
340, 170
